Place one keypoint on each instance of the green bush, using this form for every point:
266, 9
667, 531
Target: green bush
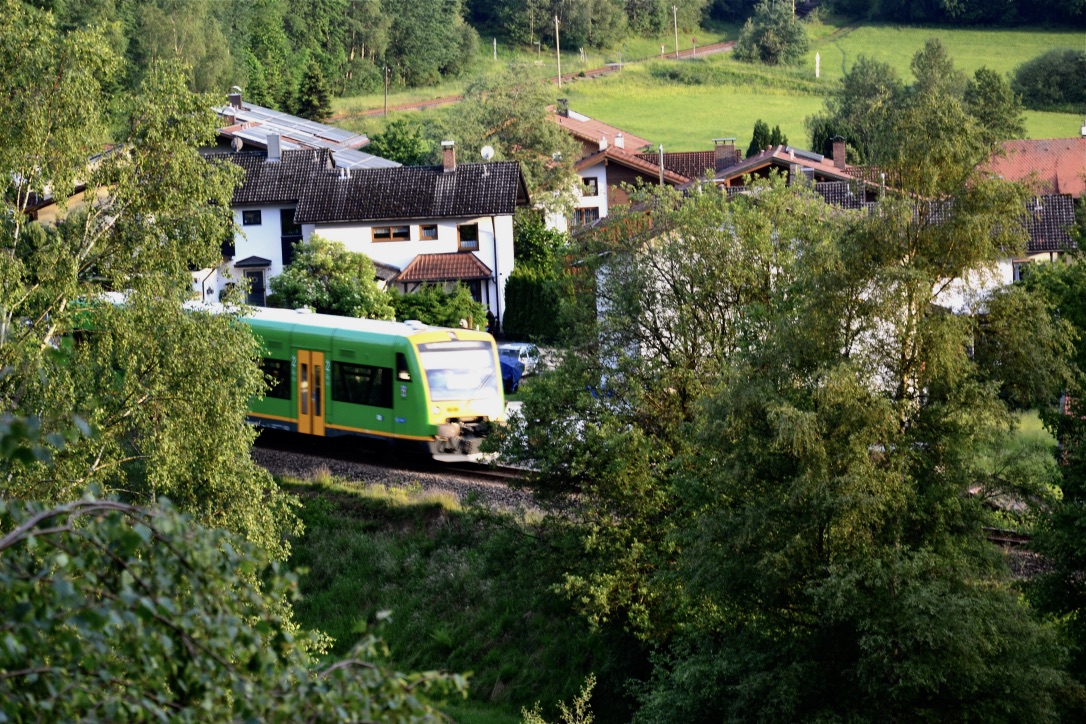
532, 302
433, 305
1053, 81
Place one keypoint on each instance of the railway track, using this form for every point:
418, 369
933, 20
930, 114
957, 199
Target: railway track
358, 461
689, 54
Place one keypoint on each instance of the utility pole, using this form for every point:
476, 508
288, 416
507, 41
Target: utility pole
557, 51
661, 164
495, 48
675, 17
386, 90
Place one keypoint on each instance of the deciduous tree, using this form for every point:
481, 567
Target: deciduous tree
165, 389
123, 613
329, 279
773, 36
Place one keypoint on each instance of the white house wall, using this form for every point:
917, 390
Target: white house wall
359, 238
599, 201
263, 240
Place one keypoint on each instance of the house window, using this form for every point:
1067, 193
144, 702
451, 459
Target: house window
590, 186
1021, 270
586, 216
291, 234
428, 231
250, 218
392, 233
469, 237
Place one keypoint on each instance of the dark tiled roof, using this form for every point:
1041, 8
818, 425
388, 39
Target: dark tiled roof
253, 262
385, 272
443, 268
276, 182
838, 193
690, 164
1048, 219
413, 192
326, 194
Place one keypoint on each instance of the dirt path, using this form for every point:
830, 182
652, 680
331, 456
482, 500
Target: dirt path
593, 73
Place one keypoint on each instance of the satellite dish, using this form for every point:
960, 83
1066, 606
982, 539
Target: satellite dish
487, 152
237, 143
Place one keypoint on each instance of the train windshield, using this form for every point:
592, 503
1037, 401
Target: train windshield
460, 370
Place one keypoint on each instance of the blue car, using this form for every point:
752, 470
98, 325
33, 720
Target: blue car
512, 371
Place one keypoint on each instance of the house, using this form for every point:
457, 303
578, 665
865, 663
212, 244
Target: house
420, 225
612, 160
252, 127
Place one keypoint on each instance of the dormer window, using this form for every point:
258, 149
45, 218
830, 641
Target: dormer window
590, 186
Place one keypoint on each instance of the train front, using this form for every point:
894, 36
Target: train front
464, 392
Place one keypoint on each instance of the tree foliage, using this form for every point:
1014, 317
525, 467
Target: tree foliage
402, 141
114, 612
772, 36
1053, 81
329, 279
781, 469
509, 113
865, 108
314, 101
440, 307
167, 390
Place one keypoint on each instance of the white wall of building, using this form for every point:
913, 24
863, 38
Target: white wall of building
495, 245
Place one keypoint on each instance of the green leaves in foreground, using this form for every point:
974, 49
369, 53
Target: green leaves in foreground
116, 613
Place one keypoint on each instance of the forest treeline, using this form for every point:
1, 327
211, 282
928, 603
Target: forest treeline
268, 46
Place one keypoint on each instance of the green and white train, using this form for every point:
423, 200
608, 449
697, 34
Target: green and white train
433, 388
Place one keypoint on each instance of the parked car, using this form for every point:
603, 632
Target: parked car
512, 370
524, 352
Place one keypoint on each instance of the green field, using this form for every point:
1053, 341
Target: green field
731, 96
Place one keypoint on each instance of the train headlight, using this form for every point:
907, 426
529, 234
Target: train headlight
436, 410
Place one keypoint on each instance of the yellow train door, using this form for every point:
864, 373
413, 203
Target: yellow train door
311, 392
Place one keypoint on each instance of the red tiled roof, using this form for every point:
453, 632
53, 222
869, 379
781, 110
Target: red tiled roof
1057, 165
593, 130
452, 266
630, 160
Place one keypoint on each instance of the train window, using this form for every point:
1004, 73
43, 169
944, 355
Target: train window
460, 370
303, 393
317, 390
277, 376
402, 373
362, 384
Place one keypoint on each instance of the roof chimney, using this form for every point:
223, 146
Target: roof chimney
1084, 129
235, 97
274, 152
725, 153
448, 155
839, 153
620, 140
563, 107
603, 142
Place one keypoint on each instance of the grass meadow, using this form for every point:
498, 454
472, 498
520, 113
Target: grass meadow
685, 105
